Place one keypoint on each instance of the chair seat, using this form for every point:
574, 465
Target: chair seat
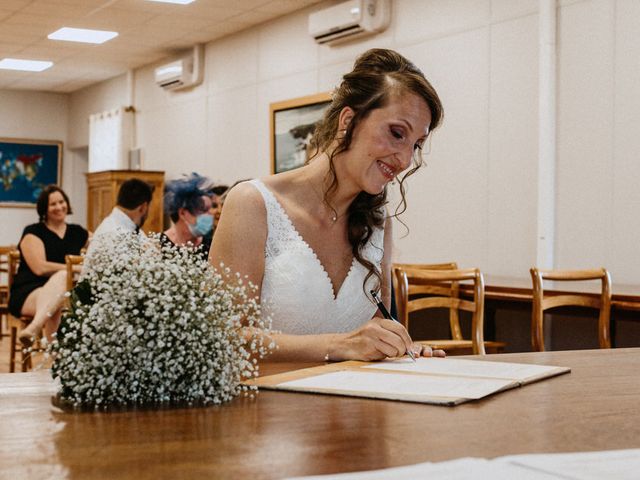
455, 345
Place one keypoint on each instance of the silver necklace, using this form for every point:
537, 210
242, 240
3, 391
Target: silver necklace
335, 216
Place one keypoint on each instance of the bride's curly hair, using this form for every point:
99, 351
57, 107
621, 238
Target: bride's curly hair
378, 75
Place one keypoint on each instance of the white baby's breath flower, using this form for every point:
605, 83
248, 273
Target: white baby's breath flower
152, 323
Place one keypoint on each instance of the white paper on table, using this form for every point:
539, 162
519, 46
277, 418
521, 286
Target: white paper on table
608, 464
464, 368
409, 386
459, 469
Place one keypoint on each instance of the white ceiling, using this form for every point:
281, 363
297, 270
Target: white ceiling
148, 31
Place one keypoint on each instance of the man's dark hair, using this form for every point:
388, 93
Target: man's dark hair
133, 193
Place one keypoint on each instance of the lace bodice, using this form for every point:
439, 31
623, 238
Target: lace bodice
296, 290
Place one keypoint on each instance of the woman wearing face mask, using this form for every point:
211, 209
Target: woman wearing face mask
187, 204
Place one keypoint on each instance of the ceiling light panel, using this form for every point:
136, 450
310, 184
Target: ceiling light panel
82, 35
24, 65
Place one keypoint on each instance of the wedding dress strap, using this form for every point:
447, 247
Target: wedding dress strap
281, 235
269, 198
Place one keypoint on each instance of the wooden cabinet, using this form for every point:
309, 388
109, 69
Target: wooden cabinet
103, 192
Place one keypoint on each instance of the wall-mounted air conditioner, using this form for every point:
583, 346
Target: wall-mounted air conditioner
349, 20
186, 71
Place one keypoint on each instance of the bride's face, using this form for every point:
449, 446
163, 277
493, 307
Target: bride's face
384, 143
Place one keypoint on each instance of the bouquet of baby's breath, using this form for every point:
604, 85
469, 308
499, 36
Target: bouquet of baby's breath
155, 324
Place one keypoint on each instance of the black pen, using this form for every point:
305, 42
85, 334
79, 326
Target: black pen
387, 315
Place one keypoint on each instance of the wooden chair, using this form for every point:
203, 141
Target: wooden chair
4, 287
542, 303
16, 323
72, 274
442, 288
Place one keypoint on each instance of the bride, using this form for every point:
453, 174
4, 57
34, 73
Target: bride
316, 240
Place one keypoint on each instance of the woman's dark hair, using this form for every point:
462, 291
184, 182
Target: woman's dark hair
219, 189
42, 204
378, 75
186, 192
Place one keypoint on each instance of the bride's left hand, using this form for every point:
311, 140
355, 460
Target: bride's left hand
420, 350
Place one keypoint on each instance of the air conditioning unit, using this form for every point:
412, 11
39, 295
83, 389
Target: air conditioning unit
349, 20
185, 72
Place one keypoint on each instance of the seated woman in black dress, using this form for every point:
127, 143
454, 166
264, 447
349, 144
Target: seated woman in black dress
188, 204
40, 283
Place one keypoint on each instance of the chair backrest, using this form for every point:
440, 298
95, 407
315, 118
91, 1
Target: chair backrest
442, 288
426, 289
542, 303
4, 262
14, 263
72, 273
4, 272
427, 266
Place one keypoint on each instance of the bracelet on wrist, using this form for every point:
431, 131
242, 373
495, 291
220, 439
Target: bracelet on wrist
327, 357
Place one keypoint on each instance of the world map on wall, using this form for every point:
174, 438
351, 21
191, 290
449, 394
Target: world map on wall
25, 169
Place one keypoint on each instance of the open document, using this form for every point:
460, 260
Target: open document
441, 381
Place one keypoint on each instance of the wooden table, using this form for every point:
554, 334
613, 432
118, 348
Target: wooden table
281, 434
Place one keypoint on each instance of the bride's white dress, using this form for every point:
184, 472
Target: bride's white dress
297, 292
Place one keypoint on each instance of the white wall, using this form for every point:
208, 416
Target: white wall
476, 201
42, 116
599, 137
625, 124
97, 98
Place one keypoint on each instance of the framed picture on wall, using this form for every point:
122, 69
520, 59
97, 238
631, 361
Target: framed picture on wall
26, 167
292, 125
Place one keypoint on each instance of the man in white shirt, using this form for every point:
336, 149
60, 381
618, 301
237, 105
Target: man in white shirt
129, 214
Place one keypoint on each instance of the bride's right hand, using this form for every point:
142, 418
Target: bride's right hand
377, 339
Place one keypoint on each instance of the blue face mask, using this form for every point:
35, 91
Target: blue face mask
203, 225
